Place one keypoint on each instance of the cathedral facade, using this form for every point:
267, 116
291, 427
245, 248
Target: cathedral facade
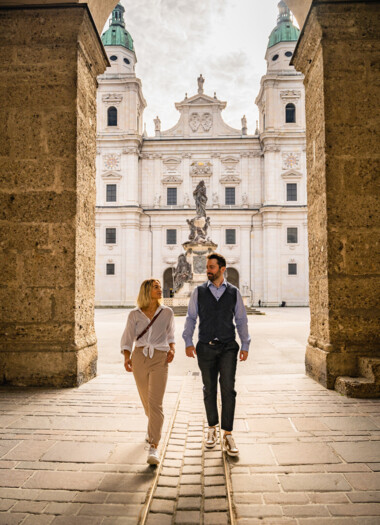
255, 183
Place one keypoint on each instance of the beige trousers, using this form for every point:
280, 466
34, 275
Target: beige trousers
151, 376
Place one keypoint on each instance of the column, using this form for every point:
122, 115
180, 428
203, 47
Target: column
131, 254
272, 276
257, 263
336, 53
48, 125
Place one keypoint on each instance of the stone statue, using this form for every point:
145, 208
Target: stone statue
244, 198
244, 125
157, 200
215, 198
182, 273
193, 229
201, 81
157, 124
186, 200
200, 199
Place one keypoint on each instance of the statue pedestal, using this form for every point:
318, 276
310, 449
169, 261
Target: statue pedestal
195, 253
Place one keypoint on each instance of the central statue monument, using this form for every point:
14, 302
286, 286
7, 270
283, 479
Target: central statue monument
191, 266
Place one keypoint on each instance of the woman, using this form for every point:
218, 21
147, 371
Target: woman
150, 327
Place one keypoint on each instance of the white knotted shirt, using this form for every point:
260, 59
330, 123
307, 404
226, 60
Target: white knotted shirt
159, 336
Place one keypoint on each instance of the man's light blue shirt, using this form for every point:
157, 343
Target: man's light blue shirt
241, 320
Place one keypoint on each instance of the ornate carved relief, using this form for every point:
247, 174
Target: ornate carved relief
201, 168
194, 121
113, 99
290, 95
290, 160
111, 161
172, 179
207, 121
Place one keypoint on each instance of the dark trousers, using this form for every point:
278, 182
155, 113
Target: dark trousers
218, 360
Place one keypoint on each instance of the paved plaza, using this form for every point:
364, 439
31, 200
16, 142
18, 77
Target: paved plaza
308, 456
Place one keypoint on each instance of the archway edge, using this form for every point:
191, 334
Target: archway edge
101, 9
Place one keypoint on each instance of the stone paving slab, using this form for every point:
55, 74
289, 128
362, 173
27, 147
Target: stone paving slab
307, 456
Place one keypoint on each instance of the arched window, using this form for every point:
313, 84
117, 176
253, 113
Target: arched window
112, 116
290, 113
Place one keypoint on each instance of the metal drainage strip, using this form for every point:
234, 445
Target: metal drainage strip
188, 380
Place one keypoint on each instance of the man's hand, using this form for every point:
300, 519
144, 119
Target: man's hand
127, 361
190, 351
243, 356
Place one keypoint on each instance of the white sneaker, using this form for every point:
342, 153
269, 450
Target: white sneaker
153, 457
211, 437
229, 445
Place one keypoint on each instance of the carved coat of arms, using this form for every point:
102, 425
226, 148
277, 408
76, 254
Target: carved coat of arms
194, 121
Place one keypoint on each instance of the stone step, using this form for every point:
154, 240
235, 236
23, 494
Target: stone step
182, 310
367, 385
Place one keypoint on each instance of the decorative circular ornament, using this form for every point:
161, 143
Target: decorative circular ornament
291, 161
111, 161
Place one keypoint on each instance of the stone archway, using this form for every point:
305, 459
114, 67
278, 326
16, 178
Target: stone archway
167, 282
48, 197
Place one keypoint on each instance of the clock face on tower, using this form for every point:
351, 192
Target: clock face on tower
112, 161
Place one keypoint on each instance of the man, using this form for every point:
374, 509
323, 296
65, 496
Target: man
217, 303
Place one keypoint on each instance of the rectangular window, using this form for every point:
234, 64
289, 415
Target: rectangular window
292, 235
292, 268
110, 270
171, 236
230, 196
230, 236
111, 193
171, 197
291, 191
110, 235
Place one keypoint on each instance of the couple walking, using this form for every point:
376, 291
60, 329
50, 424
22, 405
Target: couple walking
150, 328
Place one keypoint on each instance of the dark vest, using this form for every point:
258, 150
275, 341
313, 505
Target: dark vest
216, 317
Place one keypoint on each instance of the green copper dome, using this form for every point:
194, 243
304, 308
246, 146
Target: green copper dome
285, 31
116, 34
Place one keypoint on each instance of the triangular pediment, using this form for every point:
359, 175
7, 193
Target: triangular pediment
111, 175
291, 174
200, 99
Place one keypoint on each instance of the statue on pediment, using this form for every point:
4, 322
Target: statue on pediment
201, 81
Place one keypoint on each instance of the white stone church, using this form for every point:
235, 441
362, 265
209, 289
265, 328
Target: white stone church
256, 183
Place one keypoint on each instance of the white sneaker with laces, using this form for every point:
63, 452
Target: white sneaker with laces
211, 437
153, 457
229, 445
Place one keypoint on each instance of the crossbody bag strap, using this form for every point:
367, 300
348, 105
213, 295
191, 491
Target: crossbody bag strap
149, 325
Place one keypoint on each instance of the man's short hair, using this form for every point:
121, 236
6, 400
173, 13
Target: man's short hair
221, 260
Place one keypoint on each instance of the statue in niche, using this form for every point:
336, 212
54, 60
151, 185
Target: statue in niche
186, 200
157, 124
201, 81
157, 200
244, 198
215, 198
200, 198
182, 273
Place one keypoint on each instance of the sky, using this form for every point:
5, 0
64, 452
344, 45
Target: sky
176, 40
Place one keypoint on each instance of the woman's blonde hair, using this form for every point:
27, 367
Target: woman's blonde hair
145, 293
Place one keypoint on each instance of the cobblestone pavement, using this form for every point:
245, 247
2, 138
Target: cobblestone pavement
308, 456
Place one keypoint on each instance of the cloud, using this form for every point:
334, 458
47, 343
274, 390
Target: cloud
176, 40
